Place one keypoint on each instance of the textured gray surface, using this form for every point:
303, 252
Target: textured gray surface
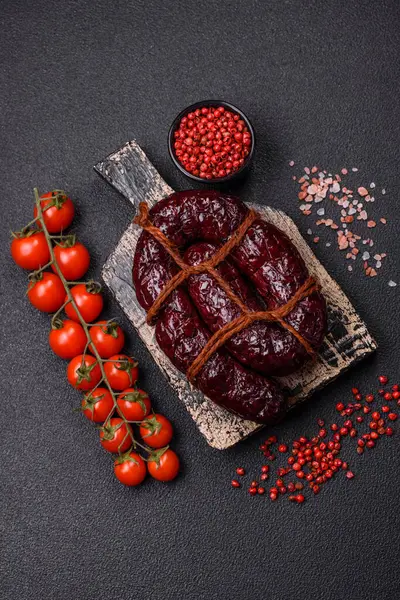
320, 82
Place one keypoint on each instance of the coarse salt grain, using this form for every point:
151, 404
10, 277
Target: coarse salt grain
362, 191
329, 186
392, 283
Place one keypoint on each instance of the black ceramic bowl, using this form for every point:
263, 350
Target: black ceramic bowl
211, 103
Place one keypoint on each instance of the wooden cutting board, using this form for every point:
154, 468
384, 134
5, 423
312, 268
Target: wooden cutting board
347, 342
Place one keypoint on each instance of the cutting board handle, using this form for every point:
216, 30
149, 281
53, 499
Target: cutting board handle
130, 172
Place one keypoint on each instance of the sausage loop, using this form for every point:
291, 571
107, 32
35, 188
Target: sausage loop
225, 333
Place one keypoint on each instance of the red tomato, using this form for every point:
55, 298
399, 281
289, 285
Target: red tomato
121, 371
116, 436
73, 260
47, 293
89, 301
30, 251
83, 372
134, 404
98, 405
60, 215
67, 339
108, 338
164, 467
130, 469
156, 431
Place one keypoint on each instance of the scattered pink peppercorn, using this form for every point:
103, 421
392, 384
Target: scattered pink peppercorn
235, 483
315, 460
240, 471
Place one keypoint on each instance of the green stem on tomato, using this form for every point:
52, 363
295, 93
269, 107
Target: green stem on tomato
35, 220
82, 320
39, 270
55, 316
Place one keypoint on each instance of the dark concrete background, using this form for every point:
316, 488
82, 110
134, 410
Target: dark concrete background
320, 80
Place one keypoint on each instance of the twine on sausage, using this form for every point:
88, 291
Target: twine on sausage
142, 219
220, 337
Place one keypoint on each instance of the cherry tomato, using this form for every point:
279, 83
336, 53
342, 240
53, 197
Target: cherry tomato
67, 339
130, 469
73, 260
108, 338
164, 467
47, 293
89, 301
115, 436
134, 404
83, 372
30, 251
98, 405
59, 216
121, 371
156, 431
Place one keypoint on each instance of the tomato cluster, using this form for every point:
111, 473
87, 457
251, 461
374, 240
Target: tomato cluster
93, 347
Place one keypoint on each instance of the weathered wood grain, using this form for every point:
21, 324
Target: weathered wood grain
348, 340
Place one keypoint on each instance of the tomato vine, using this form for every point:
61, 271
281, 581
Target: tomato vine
84, 364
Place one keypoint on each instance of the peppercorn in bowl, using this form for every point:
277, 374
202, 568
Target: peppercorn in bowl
211, 142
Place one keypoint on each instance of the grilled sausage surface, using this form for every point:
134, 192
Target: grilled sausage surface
267, 258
